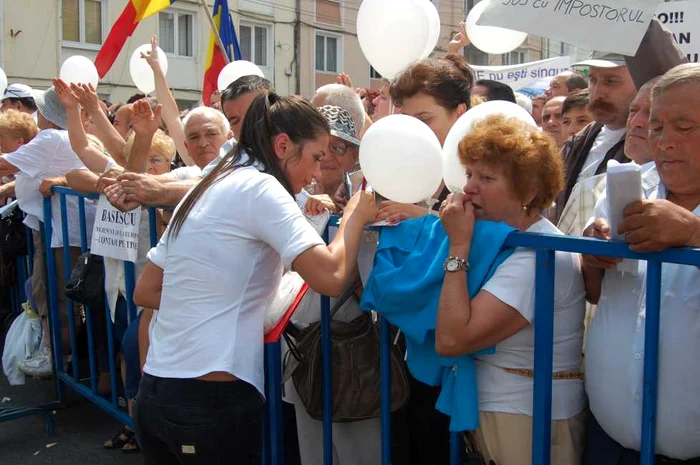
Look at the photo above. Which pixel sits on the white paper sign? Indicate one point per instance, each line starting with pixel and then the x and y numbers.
pixel 525 74
pixel 683 20
pixel 116 233
pixel 607 26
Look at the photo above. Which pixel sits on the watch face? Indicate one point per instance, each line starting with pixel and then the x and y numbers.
pixel 452 265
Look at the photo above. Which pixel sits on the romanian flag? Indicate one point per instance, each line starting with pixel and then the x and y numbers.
pixel 215 58
pixel 123 27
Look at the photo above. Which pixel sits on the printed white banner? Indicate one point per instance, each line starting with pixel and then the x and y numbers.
pixel 525 74
pixel 607 26
pixel 682 19
pixel 116 233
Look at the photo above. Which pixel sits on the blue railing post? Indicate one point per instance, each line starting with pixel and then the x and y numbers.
pixel 651 362
pixel 52 298
pixel 326 360
pixel 544 340
pixel 88 311
pixel 385 386
pixel 67 268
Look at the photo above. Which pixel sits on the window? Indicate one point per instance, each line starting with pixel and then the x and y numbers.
pixel 513 58
pixel 475 56
pixel 254 40
pixel 82 21
pixel 176 33
pixel 373 74
pixel 328 53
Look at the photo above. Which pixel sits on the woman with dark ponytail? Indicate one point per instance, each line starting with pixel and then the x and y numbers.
pixel 211 274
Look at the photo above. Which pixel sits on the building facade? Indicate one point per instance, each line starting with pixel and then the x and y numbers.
pixel 299 44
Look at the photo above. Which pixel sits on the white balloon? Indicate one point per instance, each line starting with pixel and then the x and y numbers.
pixel 452 168
pixel 400 158
pixel 140 70
pixel 392 33
pixel 79 70
pixel 489 39
pixel 433 26
pixel 3 81
pixel 235 70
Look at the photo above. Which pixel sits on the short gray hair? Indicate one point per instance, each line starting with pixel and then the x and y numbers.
pixel 688 73
pixel 342 96
pixel 210 113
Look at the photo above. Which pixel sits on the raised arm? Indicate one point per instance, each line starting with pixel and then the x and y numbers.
pixel 145 124
pixel 91 157
pixel 171 113
pixel 103 128
pixel 460 40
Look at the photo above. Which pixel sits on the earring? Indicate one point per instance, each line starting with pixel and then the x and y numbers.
pixel 524 208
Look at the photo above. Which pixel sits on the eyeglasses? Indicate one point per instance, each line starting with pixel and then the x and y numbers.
pixel 156 161
pixel 338 148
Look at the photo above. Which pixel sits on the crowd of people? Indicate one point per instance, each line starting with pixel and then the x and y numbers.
pixel 245 175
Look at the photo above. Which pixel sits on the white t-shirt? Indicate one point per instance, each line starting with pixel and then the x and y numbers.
pixel 184 173
pixel 49 155
pixel 514 284
pixel 605 140
pixel 218 274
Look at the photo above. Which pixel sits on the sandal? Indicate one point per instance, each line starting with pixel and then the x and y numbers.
pixel 120 438
pixel 131 446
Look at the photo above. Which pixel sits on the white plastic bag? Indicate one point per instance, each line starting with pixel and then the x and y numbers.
pixel 22 341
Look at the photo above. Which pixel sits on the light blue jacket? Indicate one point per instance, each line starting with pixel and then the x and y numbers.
pixel 405 286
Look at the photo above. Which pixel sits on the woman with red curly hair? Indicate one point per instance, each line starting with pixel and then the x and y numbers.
pixel 514 172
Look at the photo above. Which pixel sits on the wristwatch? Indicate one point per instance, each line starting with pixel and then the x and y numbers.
pixel 453 264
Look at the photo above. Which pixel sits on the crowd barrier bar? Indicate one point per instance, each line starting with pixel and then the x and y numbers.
pixel 545 246
pixel 73 379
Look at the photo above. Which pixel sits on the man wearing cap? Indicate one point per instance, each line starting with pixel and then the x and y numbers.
pixel 18 97
pixel 611 90
pixel 38 166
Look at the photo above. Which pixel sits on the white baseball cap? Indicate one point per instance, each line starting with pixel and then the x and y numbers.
pixel 17 91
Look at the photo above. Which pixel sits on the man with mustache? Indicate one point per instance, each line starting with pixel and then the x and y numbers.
pixel 580 206
pixel 611 90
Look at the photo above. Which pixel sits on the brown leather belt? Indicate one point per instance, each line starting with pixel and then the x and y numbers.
pixel 531 374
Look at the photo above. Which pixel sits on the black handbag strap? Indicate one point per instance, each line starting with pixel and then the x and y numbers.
pixel 292 331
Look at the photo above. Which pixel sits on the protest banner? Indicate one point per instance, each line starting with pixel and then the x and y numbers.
pixel 681 18
pixel 116 233
pixel 613 26
pixel 524 74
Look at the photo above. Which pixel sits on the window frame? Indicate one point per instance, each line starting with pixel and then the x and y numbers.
pixel 82 29
pixel 339 51
pixel 176 43
pixel 269 52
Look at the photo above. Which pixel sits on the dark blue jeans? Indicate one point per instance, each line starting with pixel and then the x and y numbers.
pixel 188 421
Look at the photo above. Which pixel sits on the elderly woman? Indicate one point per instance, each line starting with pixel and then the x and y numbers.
pixel 514 171
pixel 16 129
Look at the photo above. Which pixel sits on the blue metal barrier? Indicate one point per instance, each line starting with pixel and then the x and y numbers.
pixel 73 379
pixel 544 245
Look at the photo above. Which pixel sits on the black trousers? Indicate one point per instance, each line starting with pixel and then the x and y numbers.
pixel 189 421
pixel 601 449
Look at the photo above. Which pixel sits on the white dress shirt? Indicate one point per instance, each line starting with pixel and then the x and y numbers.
pixel 615 352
